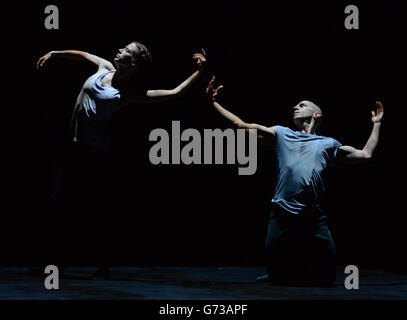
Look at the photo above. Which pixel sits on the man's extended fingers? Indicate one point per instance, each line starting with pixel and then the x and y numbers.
pixel 203 52
pixel 218 89
pixel 210 86
pixel 212 81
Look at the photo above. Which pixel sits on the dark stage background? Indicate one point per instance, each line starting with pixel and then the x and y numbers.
pixel 269 55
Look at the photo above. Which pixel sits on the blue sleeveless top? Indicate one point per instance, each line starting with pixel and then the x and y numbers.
pixel 94 107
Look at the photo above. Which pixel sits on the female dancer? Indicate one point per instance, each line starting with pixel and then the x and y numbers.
pixel 103 94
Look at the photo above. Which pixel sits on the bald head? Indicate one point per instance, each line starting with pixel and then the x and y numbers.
pixel 305 111
pixel 315 107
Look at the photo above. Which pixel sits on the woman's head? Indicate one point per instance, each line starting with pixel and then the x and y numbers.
pixel 134 56
pixel 133 63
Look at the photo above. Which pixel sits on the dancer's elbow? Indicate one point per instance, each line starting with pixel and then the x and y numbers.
pixel 239 124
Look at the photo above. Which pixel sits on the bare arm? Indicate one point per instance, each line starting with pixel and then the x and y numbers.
pixel 102 64
pixel 161 94
pixel 265 134
pixel 351 153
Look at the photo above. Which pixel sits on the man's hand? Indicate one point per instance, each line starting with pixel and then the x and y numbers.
pixel 211 92
pixel 378 115
pixel 44 59
pixel 200 59
pixel 351 153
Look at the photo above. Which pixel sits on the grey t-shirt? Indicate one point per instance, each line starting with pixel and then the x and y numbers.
pixel 302 161
pixel 94 107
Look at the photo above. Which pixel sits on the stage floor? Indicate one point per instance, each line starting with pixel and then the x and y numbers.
pixel 192 283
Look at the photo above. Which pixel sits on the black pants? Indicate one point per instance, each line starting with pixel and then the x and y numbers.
pixel 85 195
pixel 300 249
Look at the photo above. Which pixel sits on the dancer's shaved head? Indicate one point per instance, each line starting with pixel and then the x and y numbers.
pixel 304 111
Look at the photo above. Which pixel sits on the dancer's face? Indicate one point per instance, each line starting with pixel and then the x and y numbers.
pixel 124 58
pixel 304 111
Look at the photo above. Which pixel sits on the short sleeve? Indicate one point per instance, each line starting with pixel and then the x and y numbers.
pixel 280 130
pixel 335 148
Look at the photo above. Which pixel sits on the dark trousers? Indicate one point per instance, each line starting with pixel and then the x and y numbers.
pixel 300 248
pixel 85 197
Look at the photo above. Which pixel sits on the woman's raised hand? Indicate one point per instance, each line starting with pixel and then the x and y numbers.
pixel 44 59
pixel 200 59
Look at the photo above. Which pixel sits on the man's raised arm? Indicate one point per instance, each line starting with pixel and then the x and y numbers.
pixel 101 63
pixel 351 153
pixel 265 134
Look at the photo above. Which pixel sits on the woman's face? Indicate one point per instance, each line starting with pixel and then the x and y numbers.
pixel 125 57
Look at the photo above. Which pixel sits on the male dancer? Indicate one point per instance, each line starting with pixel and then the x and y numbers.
pixel 299 245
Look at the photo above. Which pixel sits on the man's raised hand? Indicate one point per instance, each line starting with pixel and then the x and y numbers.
pixel 211 92
pixel 378 115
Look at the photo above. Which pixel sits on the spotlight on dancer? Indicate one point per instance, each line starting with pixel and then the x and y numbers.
pixel 299 245
pixel 109 89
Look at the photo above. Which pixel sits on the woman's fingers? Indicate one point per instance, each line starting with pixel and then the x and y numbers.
pixel 201 54
pixel 198 57
pixel 40 63
pixel 379 107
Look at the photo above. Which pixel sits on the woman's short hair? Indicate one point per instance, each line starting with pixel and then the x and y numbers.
pixel 142 56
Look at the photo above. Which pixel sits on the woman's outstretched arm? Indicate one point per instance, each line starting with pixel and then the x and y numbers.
pixel 101 63
pixel 161 94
